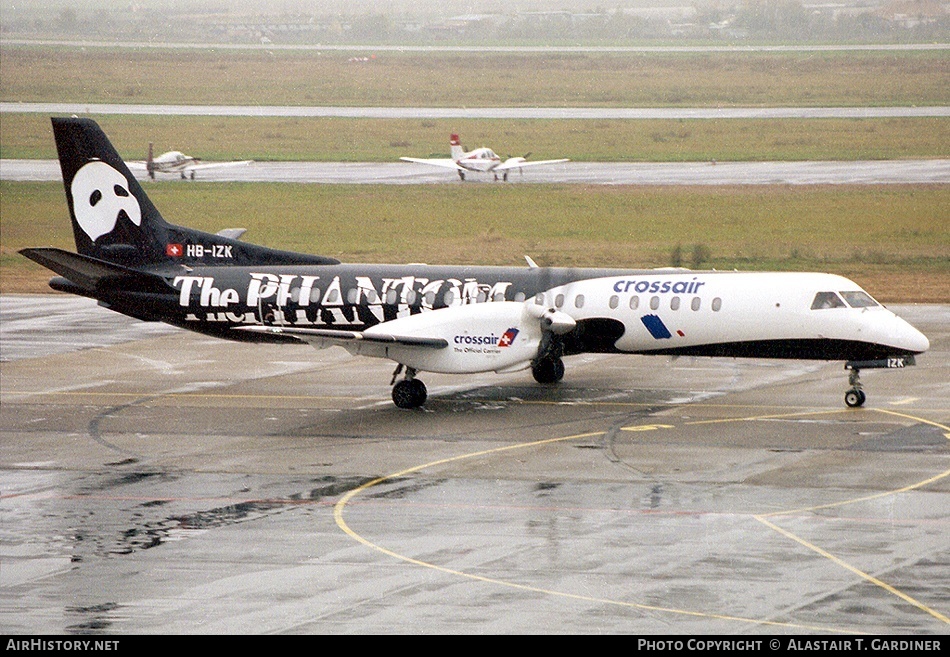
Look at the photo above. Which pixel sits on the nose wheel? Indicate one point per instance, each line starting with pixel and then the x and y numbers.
pixel 855 397
pixel 409 392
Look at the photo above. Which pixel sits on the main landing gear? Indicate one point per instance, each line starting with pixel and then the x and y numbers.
pixel 409 392
pixel 548 370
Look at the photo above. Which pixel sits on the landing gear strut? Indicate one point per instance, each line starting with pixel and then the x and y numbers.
pixel 548 368
pixel 855 397
pixel 410 392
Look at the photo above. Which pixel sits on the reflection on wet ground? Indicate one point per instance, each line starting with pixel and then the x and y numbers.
pixel 149 485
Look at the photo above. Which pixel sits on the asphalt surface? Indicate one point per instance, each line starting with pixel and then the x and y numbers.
pixel 596 113
pixel 603 173
pixel 158 482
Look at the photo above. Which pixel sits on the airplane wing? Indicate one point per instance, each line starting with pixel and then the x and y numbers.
pixel 444 162
pixel 365 343
pixel 216 165
pixel 142 166
pixel 520 163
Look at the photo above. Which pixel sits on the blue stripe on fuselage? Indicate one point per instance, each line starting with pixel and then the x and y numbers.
pixel 656 327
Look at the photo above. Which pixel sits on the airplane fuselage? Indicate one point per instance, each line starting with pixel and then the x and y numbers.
pixel 481 160
pixel 632 311
pixel 173 162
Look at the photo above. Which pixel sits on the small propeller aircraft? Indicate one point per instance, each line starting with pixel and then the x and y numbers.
pixel 480 160
pixel 452 319
pixel 177 162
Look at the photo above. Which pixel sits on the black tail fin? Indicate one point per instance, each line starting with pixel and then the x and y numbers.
pixel 112 217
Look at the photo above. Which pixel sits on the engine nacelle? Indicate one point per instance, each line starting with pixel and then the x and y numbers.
pixel 484 337
pixel 555 321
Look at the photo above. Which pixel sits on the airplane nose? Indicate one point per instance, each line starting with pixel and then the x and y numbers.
pixel 909 338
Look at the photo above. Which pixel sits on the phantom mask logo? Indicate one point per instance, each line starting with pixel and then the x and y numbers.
pixel 100 196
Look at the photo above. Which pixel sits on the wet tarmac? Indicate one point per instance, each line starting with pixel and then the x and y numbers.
pixel 876 172
pixel 155 481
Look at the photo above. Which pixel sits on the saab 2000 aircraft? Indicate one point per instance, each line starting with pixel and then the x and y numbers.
pixel 177 162
pixel 448 319
pixel 481 160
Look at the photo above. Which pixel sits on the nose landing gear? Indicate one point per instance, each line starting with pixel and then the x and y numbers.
pixel 855 397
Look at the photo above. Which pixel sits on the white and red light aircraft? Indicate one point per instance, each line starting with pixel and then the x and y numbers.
pixel 452 319
pixel 177 162
pixel 480 160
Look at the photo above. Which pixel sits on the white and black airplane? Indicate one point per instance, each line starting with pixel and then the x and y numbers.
pixel 449 319
pixel 177 162
pixel 480 160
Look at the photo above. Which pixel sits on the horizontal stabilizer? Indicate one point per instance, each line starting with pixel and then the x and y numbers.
pixel 85 271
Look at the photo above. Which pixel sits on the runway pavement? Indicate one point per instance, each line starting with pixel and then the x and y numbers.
pixel 365 112
pixel 155 481
pixel 602 173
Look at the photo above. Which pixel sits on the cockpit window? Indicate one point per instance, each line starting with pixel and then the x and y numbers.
pixel 859 299
pixel 826 300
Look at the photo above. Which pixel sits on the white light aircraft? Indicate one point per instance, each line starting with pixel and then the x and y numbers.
pixel 453 319
pixel 177 162
pixel 480 160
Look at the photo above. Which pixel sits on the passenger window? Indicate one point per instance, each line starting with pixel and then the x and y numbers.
pixel 350 295
pixel 614 302
pixel 559 300
pixel 579 301
pixel 519 296
pixel 675 303
pixel 825 300
pixel 411 297
pixel 634 302
pixel 654 303
pixel 696 303
pixel 716 304
pixel 859 299
pixel 391 297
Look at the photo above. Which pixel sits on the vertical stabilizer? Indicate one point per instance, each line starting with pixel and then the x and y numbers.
pixel 112 217
pixel 457 150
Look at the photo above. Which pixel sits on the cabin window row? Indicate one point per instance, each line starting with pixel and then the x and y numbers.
pixel 654 302
pixel 392 297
